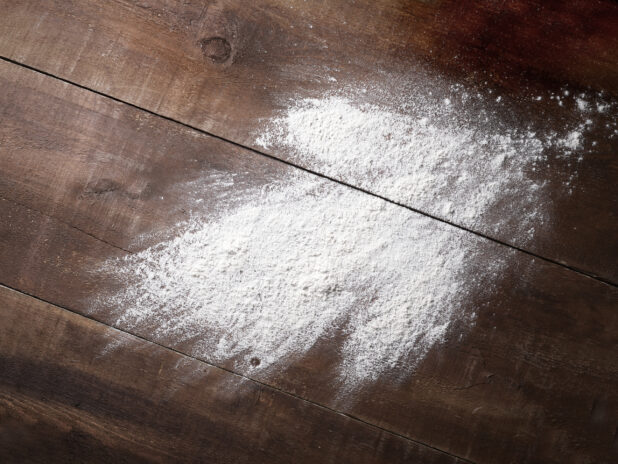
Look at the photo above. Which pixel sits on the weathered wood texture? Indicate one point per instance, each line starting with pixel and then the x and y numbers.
pixel 73 390
pixel 533 380
pixel 221 66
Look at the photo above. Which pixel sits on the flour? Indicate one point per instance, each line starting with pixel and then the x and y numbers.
pixel 304 261
pixel 462 164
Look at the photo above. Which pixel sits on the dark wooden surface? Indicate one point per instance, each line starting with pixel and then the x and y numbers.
pixel 222 66
pixel 74 390
pixel 534 380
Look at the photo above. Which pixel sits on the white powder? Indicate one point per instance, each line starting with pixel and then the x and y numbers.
pixel 459 163
pixel 306 261
pixel 303 261
pixel 572 141
pixel 582 104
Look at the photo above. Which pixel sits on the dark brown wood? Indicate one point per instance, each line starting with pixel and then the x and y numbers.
pixel 532 381
pixel 74 390
pixel 96 187
pixel 221 66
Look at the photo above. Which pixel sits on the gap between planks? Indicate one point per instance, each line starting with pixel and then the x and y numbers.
pixel 318 174
pixel 236 374
pixel 42 213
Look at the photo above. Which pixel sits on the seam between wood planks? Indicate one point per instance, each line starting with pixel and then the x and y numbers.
pixel 234 373
pixel 318 174
pixel 51 216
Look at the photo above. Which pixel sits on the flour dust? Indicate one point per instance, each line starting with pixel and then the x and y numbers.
pixel 300 262
pixel 305 261
pixel 464 157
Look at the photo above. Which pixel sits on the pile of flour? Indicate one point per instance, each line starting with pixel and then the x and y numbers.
pixel 303 261
pixel 458 158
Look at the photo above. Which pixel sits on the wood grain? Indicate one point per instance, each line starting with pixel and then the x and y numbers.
pixel 223 67
pixel 533 380
pixel 97 187
pixel 73 390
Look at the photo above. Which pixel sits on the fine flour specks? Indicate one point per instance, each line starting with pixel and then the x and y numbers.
pixel 458 158
pixel 304 261
pixel 307 260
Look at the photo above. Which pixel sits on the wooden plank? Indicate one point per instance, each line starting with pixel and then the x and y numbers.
pixel 225 68
pixel 120 197
pixel 532 380
pixel 74 390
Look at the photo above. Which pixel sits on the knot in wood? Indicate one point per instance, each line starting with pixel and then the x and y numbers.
pixel 217 49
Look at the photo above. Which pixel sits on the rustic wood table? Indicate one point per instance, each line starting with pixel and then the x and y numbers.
pixel 112 112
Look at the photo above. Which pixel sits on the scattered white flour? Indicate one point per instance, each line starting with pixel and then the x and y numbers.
pixel 297 263
pixel 300 262
pixel 457 162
